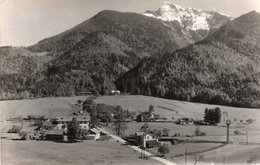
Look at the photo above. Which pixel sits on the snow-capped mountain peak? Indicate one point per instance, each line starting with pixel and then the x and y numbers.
pixel 189 18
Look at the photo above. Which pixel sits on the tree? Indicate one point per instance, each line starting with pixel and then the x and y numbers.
pixel 212 116
pixel 148 91
pixel 89 104
pixel 93 117
pixel 119 122
pixel 165 132
pixel 107 117
pixel 73 130
pixel 206 115
pixel 151 109
pixel 137 91
pixel 157 132
pixel 217 113
pixel 162 150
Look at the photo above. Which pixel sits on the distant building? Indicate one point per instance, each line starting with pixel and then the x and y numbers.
pixel 147 116
pixel 54 135
pixel 93 134
pixel 65 120
pixel 145 138
pixel 185 121
pixel 114 92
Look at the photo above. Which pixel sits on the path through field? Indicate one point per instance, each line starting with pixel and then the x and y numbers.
pixel 147 154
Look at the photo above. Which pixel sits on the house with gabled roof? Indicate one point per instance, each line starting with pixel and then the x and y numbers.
pixel 63 121
pixel 93 134
pixel 146 138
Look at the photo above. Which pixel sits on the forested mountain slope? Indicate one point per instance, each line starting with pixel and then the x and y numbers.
pixel 224 68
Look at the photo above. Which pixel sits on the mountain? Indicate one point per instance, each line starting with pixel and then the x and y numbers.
pixel 146 36
pixel 224 68
pixel 195 24
pixel 93 54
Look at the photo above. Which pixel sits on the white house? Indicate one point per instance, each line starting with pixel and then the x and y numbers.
pixel 149 140
pixel 115 92
pixel 93 134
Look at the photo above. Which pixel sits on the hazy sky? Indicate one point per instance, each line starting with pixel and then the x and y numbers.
pixel 25 22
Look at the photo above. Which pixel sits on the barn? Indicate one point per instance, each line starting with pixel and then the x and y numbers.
pixel 54 135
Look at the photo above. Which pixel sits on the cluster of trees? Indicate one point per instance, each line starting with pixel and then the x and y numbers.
pixel 113 116
pixel 213 115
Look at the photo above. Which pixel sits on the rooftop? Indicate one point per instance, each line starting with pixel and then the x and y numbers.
pixel 54 132
pixel 69 118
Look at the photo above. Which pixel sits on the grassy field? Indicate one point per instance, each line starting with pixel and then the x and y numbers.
pixel 82 153
pixel 111 152
pixel 52 106
pixel 213 133
pixel 168 108
pixel 59 105
pixel 231 154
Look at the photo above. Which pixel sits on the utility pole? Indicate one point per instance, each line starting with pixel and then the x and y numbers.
pixel 228 122
pixel 246 137
pixel 185 153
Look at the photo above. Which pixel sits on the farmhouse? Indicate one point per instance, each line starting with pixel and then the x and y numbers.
pixel 65 120
pixel 147 116
pixel 145 137
pixel 149 140
pixel 185 121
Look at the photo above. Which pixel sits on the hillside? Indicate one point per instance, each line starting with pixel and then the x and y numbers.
pixel 19 70
pixel 81 57
pixel 222 69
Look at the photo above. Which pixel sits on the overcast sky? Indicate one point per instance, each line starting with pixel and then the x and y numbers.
pixel 25 22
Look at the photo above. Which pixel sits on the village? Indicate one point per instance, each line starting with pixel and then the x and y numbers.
pixel 153 134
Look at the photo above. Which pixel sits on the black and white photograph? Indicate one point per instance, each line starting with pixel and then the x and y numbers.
pixel 130 82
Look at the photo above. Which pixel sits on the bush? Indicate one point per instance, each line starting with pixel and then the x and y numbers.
pixel 162 150
pixel 237 132
pixel 157 132
pixel 249 121
pixel 177 135
pixel 15 129
pixel 165 132
pixel 202 133
pixel 24 135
